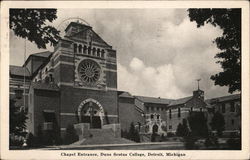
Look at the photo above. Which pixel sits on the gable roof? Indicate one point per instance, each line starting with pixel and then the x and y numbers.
pixel 224 98
pixel 153 100
pixel 44 54
pixel 45 86
pixel 180 101
pixel 19 71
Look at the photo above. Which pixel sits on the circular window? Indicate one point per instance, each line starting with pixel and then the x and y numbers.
pixel 89 71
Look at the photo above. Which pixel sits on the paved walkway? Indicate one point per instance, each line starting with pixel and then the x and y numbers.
pixel 131 146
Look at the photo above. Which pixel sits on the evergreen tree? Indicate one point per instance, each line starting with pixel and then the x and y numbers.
pixel 218 123
pixel 198 124
pixel 179 130
pixel 182 129
pixel 133 134
pixel 17 120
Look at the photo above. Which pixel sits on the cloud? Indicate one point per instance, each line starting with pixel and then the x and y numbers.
pixel 147 80
pixel 160 52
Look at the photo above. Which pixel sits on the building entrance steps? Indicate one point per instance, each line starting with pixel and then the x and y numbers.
pixel 101 136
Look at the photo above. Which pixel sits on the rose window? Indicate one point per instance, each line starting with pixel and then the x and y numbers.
pixel 89 71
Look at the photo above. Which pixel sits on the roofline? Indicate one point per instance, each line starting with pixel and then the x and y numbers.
pixel 43 65
pixel 223 97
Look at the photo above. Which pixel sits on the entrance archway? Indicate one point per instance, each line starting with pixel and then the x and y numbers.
pixel 90 111
pixel 155 128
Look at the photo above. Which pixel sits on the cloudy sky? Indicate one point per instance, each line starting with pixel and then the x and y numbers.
pixel 160 52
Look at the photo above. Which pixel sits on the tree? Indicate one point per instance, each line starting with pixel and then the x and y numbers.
pixel 133 134
pixel 17 120
pixel 198 124
pixel 31 24
pixel 182 129
pixel 218 123
pixel 229 20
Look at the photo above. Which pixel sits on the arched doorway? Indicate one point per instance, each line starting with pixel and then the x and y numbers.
pixel 155 128
pixel 90 111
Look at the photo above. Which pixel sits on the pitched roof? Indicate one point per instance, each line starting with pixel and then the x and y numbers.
pixel 180 101
pixel 19 71
pixel 224 98
pixel 44 54
pixel 124 94
pixel 45 86
pixel 154 100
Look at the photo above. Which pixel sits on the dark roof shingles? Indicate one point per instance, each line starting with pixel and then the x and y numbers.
pixel 154 100
pixel 180 101
pixel 19 71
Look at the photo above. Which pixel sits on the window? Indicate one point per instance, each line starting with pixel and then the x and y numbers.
pixel 191 109
pixel 232 107
pixel 157 108
pixel 170 127
pixel 98 52
pixel 94 51
pixel 170 114
pixel 75 48
pixel 200 109
pixel 89 71
pixel 223 108
pixel 232 121
pixel 179 112
pixel 80 48
pixel 151 116
pixel 147 108
pixel 84 49
pixel 158 116
pixel 102 54
pixel 152 109
pixel 89 50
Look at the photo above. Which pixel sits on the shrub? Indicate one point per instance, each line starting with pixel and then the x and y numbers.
pixel 71 135
pixel 234 143
pixel 189 142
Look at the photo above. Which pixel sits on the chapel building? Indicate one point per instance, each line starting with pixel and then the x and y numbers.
pixel 77 85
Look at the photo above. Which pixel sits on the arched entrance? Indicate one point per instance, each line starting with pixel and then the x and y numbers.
pixel 90 111
pixel 155 128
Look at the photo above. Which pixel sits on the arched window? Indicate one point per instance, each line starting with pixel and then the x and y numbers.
pixel 158 116
pixel 98 52
pixel 80 48
pixel 102 53
pixel 170 114
pixel 179 112
pixel 151 116
pixel 94 51
pixel 89 50
pixel 75 48
pixel 84 49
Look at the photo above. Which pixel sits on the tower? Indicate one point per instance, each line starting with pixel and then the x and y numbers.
pixel 85 70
